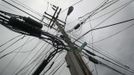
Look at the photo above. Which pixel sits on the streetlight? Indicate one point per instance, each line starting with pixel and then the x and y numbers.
pixel 71 8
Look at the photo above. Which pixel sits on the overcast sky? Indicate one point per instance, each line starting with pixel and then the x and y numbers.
pixel 120 46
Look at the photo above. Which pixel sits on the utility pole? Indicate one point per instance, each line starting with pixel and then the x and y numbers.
pixel 74 60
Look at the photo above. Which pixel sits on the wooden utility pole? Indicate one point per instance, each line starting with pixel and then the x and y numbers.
pixel 74 60
pixel 76 64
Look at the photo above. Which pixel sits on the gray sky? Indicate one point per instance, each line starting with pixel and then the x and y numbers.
pixel 119 46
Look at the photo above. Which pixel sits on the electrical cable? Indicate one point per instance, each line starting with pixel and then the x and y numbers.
pixel 107 26
pixel 37 44
pixel 58 68
pixel 27 65
pixel 114 34
pixel 13 51
pixel 41 59
pixel 112 15
pixel 114 63
pixel 10 40
pixel 26 7
pixel 98 51
pixel 118 8
pixel 92 13
pixel 126 4
pixel 92 40
pixel 26 13
pixel 71 5
pixel 20 48
pixel 7 7
pixel 12 44
pixel 94 60
pixel 102 7
pixel 45 62
pixel 41 54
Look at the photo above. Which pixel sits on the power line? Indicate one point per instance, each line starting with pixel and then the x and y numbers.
pixel 40 60
pixel 26 7
pixel 98 51
pixel 45 24
pixel 103 28
pixel 116 9
pixel 37 58
pixel 92 40
pixel 58 68
pixel 113 14
pixel 72 5
pixel 117 64
pixel 114 34
pixel 13 56
pixel 94 12
pixel 37 44
pixel 12 44
pixel 96 61
pixel 10 40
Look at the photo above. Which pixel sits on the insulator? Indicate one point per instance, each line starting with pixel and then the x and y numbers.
pixel 93 60
pixel 77 26
pixel 20 25
pixel 32 22
pixel 90 53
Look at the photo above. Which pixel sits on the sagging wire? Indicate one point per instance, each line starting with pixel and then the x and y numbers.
pixel 33 31
pixel 92 40
pixel 30 63
pixel 105 55
pixel 54 60
pixel 92 13
pixel 116 9
pixel 20 48
pixel 94 60
pixel 72 5
pixel 12 44
pixel 42 58
pixel 14 51
pixel 26 7
pixel 114 34
pixel 103 4
pixel 58 67
pixel 101 8
pixel 46 61
pixel 37 44
pixel 25 12
pixel 113 14
pixel 38 55
pixel 7 7
pixel 54 46
pixel 107 26
pixel 114 63
pixel 10 40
